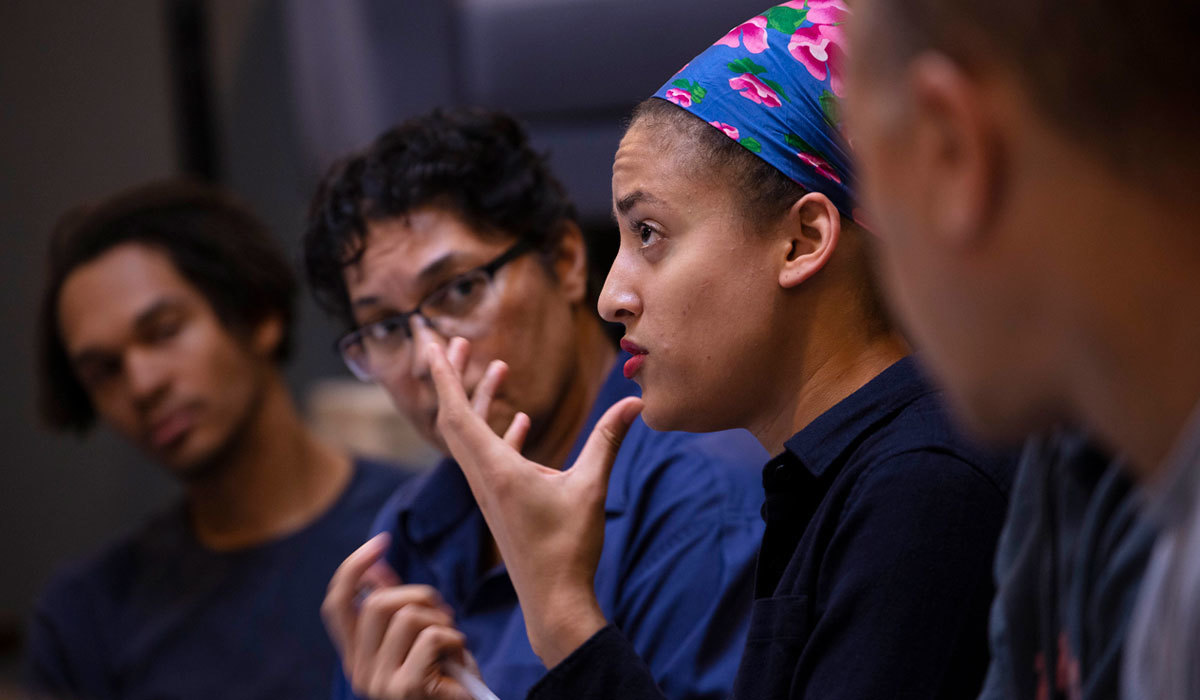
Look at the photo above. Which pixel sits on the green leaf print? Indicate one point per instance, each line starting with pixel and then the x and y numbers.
pixel 698 91
pixel 751 145
pixel 831 107
pixel 794 141
pixel 745 65
pixel 786 19
pixel 777 88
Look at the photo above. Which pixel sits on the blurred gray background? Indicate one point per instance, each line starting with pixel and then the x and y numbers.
pixel 261 95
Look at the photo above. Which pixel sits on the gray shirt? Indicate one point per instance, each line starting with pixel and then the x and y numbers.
pixel 1163 656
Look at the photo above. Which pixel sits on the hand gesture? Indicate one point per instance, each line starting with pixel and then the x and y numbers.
pixel 396 641
pixel 548 524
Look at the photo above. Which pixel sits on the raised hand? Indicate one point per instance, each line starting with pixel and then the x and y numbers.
pixel 397 641
pixel 548 524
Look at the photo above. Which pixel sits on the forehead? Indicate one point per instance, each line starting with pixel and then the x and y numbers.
pixel 407 252
pixel 109 292
pixel 656 160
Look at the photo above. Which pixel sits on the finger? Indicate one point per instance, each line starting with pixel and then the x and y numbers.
pixel 600 450
pixel 403 628
pixel 380 575
pixel 458 352
pixel 466 434
pixel 422 669
pixel 486 390
pixel 517 431
pixel 373 619
pixel 339 610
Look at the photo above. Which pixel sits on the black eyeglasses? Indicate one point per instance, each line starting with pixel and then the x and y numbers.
pixel 460 307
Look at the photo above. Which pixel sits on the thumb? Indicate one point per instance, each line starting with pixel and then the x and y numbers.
pixel 598 454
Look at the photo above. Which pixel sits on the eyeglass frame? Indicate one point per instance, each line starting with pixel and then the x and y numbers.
pixel 490 268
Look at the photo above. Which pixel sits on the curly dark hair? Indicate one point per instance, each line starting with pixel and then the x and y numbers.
pixel 213 239
pixel 477 164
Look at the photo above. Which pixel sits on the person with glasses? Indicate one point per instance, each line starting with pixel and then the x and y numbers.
pixel 451 225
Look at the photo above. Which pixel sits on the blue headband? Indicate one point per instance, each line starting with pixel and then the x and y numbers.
pixel 772 84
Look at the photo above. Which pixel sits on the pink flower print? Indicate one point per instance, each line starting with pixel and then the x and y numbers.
pixel 683 98
pixel 818 47
pixel 749 86
pixel 821 166
pixel 827 11
pixel 753 35
pixel 730 131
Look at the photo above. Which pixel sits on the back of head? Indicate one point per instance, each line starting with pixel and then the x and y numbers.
pixel 215 242
pixel 478 165
pixel 1120 79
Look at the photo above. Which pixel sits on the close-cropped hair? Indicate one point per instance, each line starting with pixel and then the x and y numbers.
pixel 763 192
pixel 1119 79
pixel 476 164
pixel 214 241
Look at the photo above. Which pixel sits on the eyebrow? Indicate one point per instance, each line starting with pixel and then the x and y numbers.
pixel 428 274
pixel 634 198
pixel 144 317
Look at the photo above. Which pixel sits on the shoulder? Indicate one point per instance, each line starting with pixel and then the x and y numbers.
pixel 722 466
pixel 375 482
pixel 920 445
pixel 105 577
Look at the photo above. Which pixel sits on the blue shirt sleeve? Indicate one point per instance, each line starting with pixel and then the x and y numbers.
pixel 689 551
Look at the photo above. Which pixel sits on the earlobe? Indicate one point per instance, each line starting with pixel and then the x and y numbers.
pixel 813 227
pixel 268 335
pixel 959 146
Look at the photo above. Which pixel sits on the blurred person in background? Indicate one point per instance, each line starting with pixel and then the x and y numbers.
pixel 451 224
pixel 1033 168
pixel 167 316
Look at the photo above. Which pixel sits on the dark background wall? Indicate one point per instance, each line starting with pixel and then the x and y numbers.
pixel 88 104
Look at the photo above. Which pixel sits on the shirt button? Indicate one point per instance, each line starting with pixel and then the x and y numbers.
pixel 784 476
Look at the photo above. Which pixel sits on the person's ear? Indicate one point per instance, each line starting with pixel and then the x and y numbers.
pixel 267 336
pixel 959 157
pixel 570 263
pixel 811 228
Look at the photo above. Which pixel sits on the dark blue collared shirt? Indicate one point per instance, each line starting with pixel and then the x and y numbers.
pixel 682 527
pixel 874 575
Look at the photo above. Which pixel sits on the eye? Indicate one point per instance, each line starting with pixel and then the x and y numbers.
pixel 390 328
pixel 459 297
pixel 646 234
pixel 164 330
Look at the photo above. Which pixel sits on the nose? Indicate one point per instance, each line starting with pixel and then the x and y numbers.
pixel 422 335
pixel 619 302
pixel 147 377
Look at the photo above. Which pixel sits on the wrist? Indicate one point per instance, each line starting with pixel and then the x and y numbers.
pixel 563 626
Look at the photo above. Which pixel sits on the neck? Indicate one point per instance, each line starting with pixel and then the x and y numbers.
pixel 1134 377
pixel 276 479
pixel 592 361
pixel 826 377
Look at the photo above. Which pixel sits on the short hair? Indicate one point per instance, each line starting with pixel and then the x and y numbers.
pixel 764 193
pixel 214 241
pixel 1119 79
pixel 477 164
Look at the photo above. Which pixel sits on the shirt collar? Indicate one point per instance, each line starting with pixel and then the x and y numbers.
pixel 442 499
pixel 819 444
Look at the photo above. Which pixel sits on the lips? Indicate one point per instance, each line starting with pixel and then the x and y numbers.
pixel 171 428
pixel 634 364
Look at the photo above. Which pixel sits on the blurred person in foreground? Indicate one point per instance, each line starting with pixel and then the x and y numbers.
pixel 1032 167
pixel 448 225
pixel 167 316
pixel 744 285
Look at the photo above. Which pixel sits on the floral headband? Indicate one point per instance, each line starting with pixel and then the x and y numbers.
pixel 772 84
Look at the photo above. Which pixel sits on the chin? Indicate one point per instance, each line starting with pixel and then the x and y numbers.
pixel 678 415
